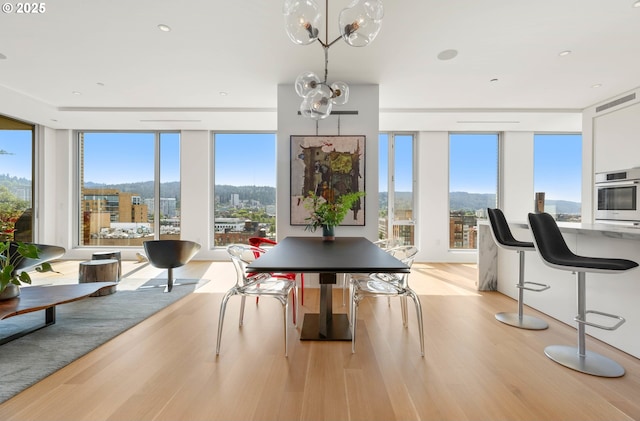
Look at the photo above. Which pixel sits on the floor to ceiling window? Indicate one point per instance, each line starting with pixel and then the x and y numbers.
pixel 473 184
pixel 16 185
pixel 396 217
pixel 126 180
pixel 244 187
pixel 557 169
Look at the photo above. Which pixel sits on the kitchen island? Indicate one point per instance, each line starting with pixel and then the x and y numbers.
pixel 613 293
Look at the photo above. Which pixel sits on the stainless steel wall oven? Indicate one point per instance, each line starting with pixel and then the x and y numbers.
pixel 618 196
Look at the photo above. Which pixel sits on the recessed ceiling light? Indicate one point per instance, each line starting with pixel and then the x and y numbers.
pixel 222 93
pixel 564 53
pixel 636 4
pixel 2 57
pixel 597 85
pixel 447 54
pixel 76 93
pixel 164 28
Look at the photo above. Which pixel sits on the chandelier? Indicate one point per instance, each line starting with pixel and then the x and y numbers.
pixel 359 23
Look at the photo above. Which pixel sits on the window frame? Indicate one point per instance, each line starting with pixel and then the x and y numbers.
pixel 77 176
pixel 391 172
pixel 579 189
pixel 212 234
pixel 498 191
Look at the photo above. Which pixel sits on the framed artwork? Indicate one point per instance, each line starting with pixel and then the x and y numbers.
pixel 328 166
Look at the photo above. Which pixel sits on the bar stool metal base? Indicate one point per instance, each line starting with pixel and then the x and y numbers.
pixel 592 363
pixel 524 322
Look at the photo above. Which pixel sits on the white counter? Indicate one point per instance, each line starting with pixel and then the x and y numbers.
pixel 607 230
pixel 610 293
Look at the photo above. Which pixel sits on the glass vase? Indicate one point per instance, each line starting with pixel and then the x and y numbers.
pixel 328 233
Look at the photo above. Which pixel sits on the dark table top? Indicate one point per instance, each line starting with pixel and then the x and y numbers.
pixel 37 298
pixel 312 254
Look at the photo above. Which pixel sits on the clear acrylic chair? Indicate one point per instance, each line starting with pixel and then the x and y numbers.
pixel 384 244
pixel 387 285
pixel 256 285
pixel 261 242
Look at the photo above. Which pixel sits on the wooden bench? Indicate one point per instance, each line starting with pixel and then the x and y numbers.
pixel 45 298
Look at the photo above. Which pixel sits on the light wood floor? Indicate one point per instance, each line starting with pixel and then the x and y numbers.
pixel 475 368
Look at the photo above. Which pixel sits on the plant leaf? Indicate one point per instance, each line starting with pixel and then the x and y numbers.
pixel 24 278
pixel 45 267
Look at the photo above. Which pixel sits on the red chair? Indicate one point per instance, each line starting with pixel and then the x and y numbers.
pixel 258 242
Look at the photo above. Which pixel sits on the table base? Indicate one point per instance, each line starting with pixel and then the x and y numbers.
pixel 338 328
pixel 49 319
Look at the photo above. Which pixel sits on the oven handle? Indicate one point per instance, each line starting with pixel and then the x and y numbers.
pixel 618 183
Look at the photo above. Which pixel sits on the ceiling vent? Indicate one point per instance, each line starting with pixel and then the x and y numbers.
pixel 616 102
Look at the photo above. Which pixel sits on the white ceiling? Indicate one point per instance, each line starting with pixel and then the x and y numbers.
pixel 132 75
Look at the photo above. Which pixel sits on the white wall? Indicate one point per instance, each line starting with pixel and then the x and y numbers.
pixel 517 196
pixel 362 98
pixel 196 175
pixel 432 236
pixel 54 195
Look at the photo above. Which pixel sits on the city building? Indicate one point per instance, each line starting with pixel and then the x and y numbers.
pixel 104 209
pixel 168 206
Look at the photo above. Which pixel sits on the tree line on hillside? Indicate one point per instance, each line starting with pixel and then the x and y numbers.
pixel 474 201
pixel 471 201
pixel 13 181
pixel 264 194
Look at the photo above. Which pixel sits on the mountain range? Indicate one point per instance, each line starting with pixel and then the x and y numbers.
pixel 267 196
pixel 475 201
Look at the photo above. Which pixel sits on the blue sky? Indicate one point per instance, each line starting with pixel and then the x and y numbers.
pixel 113 158
pixel 557 160
pixel 403 179
pixel 16 158
pixel 473 162
pixel 557 164
pixel 257 153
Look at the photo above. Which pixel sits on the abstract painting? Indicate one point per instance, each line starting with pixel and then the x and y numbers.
pixel 326 166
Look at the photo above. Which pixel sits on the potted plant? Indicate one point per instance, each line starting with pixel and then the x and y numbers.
pixel 13 257
pixel 328 215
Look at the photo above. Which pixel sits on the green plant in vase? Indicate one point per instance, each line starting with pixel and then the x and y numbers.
pixel 11 255
pixel 327 215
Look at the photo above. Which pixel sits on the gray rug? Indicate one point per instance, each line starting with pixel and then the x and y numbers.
pixel 80 327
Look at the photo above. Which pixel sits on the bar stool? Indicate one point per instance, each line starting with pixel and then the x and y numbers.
pixel 554 253
pixel 504 238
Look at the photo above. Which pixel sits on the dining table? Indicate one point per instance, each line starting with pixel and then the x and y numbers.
pixel 327 258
